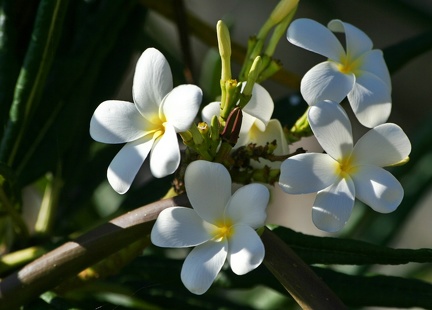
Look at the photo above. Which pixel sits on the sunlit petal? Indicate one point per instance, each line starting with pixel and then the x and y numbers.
pixel 248 131
pixel 210 110
pixel 248 205
pixel 382 146
pixel 307 173
pixel 126 164
pixel 357 41
pixel 165 157
pixel 202 265
pixel 310 35
pixel 117 122
pixel 245 249
pixel 325 82
pixel 152 81
pixel 179 227
pixel 181 105
pixel 333 206
pixel 332 128
pixel 208 186
pixel 260 106
pixel 370 100
pixel 373 62
pixel 378 188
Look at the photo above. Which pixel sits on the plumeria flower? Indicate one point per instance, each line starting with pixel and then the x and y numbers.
pixel 346 172
pixel 220 225
pixel 256 114
pixel 148 124
pixel 359 71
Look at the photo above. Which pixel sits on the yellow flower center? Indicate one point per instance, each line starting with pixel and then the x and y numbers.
pixel 348 65
pixel 156 127
pixel 344 167
pixel 223 231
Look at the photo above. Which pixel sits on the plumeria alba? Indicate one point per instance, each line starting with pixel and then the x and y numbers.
pixel 256 113
pixel 358 72
pixel 148 124
pixel 346 171
pixel 221 226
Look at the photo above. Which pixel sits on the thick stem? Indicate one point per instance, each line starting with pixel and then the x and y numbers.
pixel 308 290
pixel 72 257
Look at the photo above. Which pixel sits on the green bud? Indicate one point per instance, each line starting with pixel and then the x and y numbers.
pixel 282 9
pixel 252 76
pixel 196 135
pixel 214 128
pixel 224 44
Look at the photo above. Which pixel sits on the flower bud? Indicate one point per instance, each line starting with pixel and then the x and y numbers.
pixel 224 44
pixel 231 130
pixel 281 10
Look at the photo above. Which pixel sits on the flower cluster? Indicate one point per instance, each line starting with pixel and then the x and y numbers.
pixel 346 171
pixel 222 226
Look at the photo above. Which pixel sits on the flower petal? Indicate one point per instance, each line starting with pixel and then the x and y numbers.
pixel 333 206
pixel 261 106
pixel 180 227
pixel 370 100
pixel 332 128
pixel 382 146
pixel 208 186
pixel 310 35
pixel 325 82
pixel 207 113
pixel 117 122
pixel 307 173
pixel 152 81
pixel 357 41
pixel 248 205
pixel 181 105
pixel 245 249
pixel 202 265
pixel 126 164
pixel 378 188
pixel 373 62
pixel 165 157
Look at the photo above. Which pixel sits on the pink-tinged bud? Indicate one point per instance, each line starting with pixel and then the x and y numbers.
pixel 231 130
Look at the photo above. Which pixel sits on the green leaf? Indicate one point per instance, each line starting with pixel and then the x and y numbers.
pixel 329 250
pixel 378 290
pixel 31 81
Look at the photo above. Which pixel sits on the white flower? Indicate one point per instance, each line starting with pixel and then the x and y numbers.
pixel 256 113
pixel 149 124
pixel 220 225
pixel 359 72
pixel 346 172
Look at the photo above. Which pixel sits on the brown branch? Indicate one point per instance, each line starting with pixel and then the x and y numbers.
pixel 72 257
pixel 308 290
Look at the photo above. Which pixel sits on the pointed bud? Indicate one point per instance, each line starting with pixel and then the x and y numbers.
pixel 224 44
pixel 231 130
pixel 281 10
